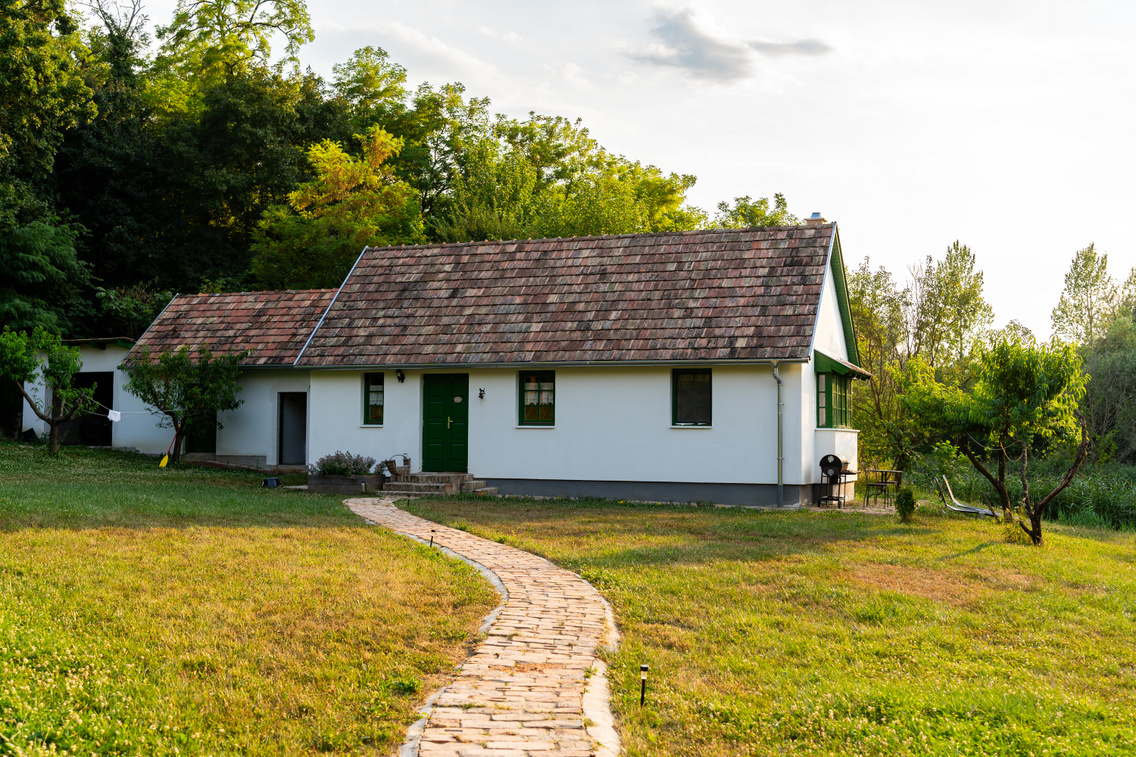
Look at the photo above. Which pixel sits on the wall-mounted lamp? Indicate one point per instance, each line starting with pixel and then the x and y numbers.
pixel 481 394
pixel 400 375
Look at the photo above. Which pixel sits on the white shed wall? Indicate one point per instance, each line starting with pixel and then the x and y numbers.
pixel 138 428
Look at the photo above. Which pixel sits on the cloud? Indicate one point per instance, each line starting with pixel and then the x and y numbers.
pixel 449 57
pixel 504 36
pixel 689 41
pixel 800 47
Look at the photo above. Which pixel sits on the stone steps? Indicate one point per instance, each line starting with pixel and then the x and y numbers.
pixel 425 484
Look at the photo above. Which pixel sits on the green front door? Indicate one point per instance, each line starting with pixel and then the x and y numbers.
pixel 445 422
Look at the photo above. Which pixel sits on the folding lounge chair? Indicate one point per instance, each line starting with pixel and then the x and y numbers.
pixel 954 505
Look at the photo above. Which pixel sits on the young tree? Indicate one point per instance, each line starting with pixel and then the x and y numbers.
pixel 24 359
pixel 1088 300
pixel 185 390
pixel 1025 396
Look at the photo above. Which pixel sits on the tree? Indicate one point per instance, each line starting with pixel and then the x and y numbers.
pixel 1025 397
pixel 41 90
pixel 40 274
pixel 42 356
pixel 351 203
pixel 947 314
pixel 878 306
pixel 746 213
pixel 1088 300
pixel 228 36
pixel 185 390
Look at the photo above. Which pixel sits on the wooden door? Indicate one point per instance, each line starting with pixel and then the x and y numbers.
pixel 445 422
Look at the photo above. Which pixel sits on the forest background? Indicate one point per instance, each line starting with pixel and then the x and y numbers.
pixel 132 168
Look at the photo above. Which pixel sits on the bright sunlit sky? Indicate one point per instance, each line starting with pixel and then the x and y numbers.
pixel 1007 125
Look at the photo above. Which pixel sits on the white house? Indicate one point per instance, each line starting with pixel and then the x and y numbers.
pixel 702 365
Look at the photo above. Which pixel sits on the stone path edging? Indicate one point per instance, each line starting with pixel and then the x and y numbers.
pixel 534 685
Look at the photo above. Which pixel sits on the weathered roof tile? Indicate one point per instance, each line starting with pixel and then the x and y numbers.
pixel 679 296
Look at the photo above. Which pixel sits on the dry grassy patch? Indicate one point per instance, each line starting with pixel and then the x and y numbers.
pixel 938 585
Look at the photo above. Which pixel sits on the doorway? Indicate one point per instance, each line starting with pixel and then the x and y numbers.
pixel 292 437
pixel 445 422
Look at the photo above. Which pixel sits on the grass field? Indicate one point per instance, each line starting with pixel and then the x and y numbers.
pixel 188 611
pixel 844 633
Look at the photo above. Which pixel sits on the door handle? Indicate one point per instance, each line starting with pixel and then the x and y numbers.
pixel 449 422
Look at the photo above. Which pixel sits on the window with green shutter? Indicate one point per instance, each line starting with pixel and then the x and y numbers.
pixel 538 398
pixel 372 399
pixel 834 400
pixel 690 397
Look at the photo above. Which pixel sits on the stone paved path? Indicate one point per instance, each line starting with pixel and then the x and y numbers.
pixel 534 686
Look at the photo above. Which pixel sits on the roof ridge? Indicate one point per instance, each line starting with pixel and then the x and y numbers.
pixel 592 237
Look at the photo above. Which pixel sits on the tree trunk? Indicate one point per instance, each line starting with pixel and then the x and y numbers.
pixel 53 424
pixel 179 438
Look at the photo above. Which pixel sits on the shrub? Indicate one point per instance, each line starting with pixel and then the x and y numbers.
pixel 343 464
pixel 905 503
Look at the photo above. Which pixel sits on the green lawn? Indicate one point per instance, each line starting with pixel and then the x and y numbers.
pixel 844 633
pixel 188 611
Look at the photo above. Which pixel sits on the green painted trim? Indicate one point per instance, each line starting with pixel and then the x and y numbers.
pixel 840 278
pixel 521 398
pixel 826 364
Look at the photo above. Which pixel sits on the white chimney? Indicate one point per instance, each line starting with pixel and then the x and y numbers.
pixel 816 219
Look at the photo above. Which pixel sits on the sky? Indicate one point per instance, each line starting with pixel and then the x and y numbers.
pixel 1004 124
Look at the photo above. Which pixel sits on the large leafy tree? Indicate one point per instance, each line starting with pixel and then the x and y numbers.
pixel 186 389
pixel 40 357
pixel 1025 399
pixel 42 92
pixel 352 202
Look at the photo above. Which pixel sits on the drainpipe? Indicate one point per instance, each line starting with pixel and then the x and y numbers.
pixel 780 431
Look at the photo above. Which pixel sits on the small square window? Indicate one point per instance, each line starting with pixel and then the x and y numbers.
pixel 690 397
pixel 372 399
pixel 538 398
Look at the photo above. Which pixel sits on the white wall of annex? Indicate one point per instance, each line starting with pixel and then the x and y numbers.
pixel 335 409
pixel 829 337
pixel 138 428
pixel 253 428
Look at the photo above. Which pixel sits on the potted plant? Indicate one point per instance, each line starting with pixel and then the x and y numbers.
pixel 344 473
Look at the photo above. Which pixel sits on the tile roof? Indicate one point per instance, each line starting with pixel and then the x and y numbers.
pixel 747 294
pixel 274 325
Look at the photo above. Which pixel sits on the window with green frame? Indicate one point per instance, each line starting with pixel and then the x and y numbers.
pixel 834 400
pixel 690 397
pixel 372 399
pixel 537 398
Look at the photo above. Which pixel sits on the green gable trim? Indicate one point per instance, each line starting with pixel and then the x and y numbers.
pixel 826 364
pixel 841 280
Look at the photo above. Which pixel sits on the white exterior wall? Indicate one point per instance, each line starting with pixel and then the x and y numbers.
pixel 829 339
pixel 335 411
pixel 138 428
pixel 254 428
pixel 612 424
pixel 829 336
